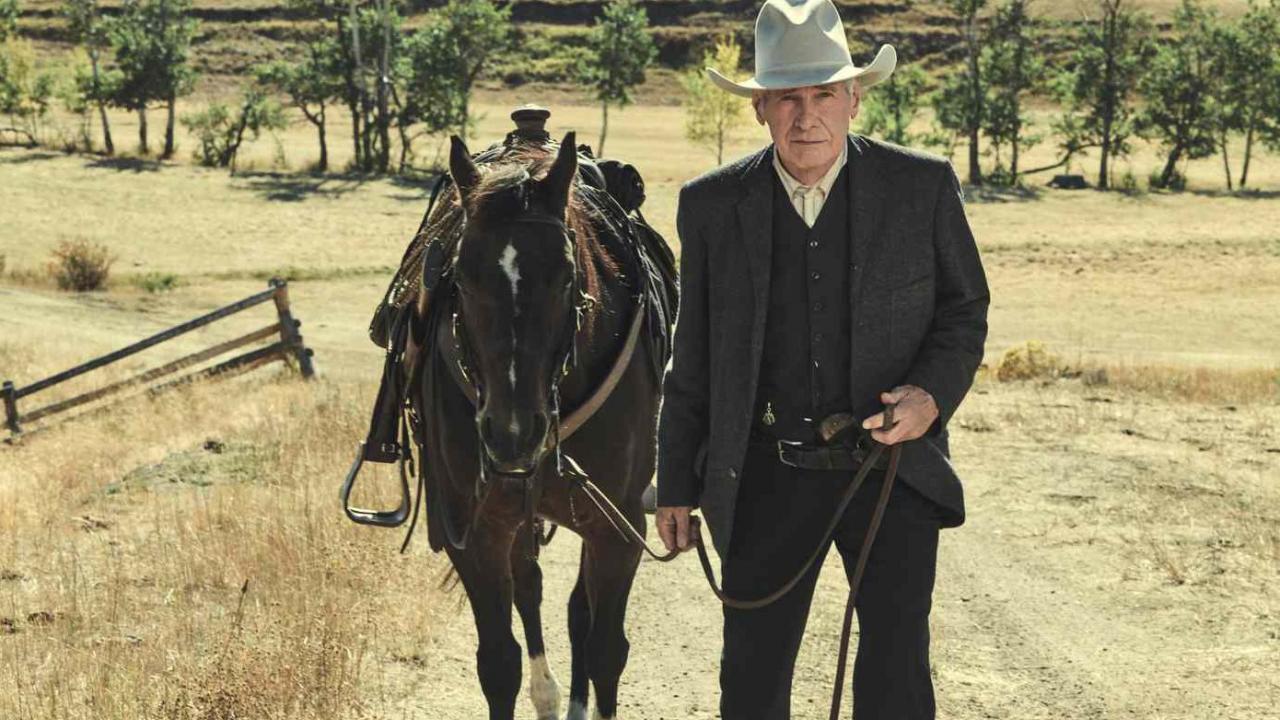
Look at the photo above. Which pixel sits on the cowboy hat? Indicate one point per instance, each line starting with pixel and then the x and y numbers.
pixel 801 43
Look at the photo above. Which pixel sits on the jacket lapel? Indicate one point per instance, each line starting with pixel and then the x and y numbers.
pixel 755 218
pixel 866 199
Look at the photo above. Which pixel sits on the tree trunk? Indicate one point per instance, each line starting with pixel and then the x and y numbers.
pixel 1170 165
pixel 355 133
pixel 142 130
pixel 168 128
pixel 975 101
pixel 1226 162
pixel 466 112
pixel 102 107
pixel 1248 151
pixel 1108 94
pixel 384 116
pixel 604 129
pixel 1013 162
pixel 324 143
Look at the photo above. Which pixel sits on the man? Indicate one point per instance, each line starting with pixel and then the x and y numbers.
pixel 827 272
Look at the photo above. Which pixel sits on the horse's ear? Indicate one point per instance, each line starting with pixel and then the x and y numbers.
pixel 464 171
pixel 559 180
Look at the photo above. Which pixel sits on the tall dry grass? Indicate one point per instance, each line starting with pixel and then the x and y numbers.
pixel 186 557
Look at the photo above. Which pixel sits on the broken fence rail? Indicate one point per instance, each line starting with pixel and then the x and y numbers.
pixel 289 343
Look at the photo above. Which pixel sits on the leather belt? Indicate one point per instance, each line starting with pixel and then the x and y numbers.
pixel 826 457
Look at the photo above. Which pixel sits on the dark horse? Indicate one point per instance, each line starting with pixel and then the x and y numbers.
pixel 539 312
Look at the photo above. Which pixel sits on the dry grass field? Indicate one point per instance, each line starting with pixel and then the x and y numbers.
pixel 186 557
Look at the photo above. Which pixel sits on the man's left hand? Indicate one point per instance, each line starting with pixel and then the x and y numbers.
pixel 914 411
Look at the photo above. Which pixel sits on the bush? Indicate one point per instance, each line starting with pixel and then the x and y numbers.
pixel 1027 362
pixel 80 265
pixel 221 133
pixel 1177 181
pixel 157 282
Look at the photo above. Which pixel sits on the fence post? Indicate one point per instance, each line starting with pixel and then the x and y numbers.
pixel 11 407
pixel 289 334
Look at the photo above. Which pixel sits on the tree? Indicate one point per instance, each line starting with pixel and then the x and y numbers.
pixel 1012 69
pixel 311 83
pixel 174 32
pixel 960 104
pixel 621 50
pixel 1248 92
pixel 429 96
pixel 1098 87
pixel 86 26
pixel 893 105
pixel 221 135
pixel 711 114
pixel 476 32
pixel 1178 88
pixel 25 93
pixel 151 40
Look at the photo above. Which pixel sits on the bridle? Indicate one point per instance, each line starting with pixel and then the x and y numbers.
pixel 567 355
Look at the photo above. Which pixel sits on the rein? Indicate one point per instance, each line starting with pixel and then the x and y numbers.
pixel 629 533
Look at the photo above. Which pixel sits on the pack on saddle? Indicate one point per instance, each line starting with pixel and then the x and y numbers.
pixel 404 320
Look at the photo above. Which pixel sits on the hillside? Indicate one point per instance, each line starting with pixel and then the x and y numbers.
pixel 236 34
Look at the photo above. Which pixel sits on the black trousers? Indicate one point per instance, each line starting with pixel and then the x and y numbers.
pixel 780 516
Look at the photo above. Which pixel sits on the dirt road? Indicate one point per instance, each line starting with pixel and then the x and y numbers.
pixel 1102 574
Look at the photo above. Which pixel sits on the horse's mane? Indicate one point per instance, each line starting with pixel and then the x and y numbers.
pixel 495 196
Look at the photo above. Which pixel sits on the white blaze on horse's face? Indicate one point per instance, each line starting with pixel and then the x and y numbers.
pixel 508 264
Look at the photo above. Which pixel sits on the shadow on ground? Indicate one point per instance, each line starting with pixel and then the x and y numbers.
pixel 122 164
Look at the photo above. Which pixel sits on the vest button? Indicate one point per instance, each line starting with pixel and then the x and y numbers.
pixel 813 243
pixel 816 275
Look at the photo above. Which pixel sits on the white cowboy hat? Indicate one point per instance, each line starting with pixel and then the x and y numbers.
pixel 801 43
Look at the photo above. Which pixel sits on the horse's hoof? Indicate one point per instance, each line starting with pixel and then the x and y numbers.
pixel 650 499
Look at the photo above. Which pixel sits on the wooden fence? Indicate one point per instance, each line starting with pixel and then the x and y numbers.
pixel 289 343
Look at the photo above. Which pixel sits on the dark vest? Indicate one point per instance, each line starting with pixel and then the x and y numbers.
pixel 804 371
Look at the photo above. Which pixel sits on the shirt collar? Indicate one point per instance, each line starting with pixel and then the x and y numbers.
pixel 791 184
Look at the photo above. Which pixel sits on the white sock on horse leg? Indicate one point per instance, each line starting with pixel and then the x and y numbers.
pixel 544 691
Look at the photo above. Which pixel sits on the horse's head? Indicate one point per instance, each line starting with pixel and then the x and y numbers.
pixel 517 284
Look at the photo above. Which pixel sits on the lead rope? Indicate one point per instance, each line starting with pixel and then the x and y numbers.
pixel 629 532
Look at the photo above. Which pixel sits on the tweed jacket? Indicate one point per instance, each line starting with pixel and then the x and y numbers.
pixel 918 298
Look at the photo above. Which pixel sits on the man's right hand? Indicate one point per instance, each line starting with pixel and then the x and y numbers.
pixel 673 526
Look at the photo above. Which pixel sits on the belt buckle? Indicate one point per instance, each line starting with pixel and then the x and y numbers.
pixel 783 446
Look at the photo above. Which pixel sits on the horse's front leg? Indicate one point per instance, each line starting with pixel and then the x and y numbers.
pixel 485 570
pixel 610 569
pixel 544 691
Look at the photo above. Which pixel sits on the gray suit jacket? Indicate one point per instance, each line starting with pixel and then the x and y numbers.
pixel 918 297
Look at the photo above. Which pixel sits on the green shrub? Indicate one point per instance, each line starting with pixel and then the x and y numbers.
pixel 157 282
pixel 221 133
pixel 80 265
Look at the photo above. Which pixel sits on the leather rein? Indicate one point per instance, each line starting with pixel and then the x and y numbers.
pixel 629 533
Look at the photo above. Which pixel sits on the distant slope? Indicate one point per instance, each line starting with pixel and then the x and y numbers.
pixel 236 34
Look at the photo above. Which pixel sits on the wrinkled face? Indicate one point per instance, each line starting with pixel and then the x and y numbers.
pixel 808 124
pixel 515 274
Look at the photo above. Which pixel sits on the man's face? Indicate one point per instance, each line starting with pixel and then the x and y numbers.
pixel 808 124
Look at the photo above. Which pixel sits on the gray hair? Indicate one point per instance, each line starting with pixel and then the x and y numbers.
pixel 849 87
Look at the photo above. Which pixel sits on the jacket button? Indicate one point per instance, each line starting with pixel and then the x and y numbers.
pixel 733 473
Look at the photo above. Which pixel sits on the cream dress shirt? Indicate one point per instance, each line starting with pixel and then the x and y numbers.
pixel 808 199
